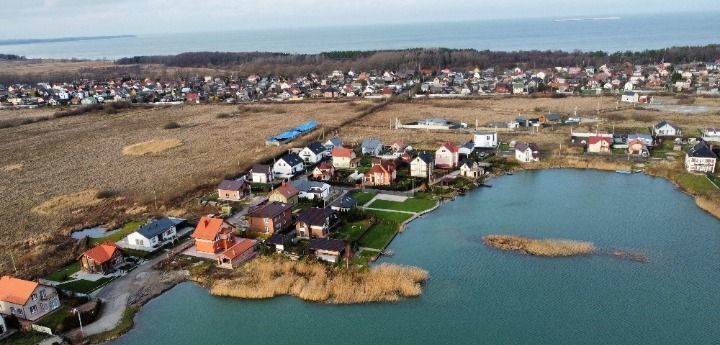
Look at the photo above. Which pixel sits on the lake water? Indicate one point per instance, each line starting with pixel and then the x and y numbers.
pixel 628 33
pixel 479 295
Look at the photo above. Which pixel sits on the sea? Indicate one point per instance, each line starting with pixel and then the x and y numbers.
pixel 610 34
pixel 481 295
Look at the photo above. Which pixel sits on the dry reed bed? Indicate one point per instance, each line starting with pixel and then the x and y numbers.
pixel 539 247
pixel 268 277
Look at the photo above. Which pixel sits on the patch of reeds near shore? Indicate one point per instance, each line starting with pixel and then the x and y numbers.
pixel 579 163
pixel 267 277
pixel 537 247
pixel 709 204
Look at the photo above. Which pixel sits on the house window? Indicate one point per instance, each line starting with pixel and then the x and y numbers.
pixel 33 309
pixel 34 297
pixel 43 294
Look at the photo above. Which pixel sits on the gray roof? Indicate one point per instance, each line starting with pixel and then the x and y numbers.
pixel 269 210
pixel 158 226
pixel 314 216
pixel 232 185
pixel 525 146
pixel 328 244
pixel 663 123
pixel 425 157
pixel 292 159
pixel 261 169
pixel 371 143
pixel 316 147
pixel 346 201
pixel 335 141
pixel 701 150
pixel 306 185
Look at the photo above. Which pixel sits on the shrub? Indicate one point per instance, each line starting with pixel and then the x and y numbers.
pixel 171 125
pixel 105 194
pixel 616 117
pixel 642 117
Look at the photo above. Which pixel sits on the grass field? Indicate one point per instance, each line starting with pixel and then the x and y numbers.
pixel 352 231
pixel 84 286
pixel 397 217
pixel 378 236
pixel 125 230
pixel 363 197
pixel 22 338
pixel 55 318
pixel 696 183
pixel 62 274
pixel 409 205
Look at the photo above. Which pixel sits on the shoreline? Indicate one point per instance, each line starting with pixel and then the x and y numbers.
pixel 539 167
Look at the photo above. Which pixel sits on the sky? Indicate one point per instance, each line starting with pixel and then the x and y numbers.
pixel 63 18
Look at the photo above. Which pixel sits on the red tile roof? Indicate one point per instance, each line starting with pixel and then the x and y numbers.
pixel 451 147
pixel 242 246
pixel 102 253
pixel 597 139
pixel 287 190
pixel 342 152
pixel 208 228
pixel 16 291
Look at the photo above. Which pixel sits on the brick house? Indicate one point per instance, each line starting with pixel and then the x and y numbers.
pixel 213 235
pixel 269 217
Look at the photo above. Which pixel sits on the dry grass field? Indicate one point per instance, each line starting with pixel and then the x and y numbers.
pixel 539 247
pixel 70 172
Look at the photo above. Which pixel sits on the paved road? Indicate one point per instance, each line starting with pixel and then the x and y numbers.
pixel 115 298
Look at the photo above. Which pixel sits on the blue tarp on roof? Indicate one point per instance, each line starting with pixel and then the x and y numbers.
pixel 290 134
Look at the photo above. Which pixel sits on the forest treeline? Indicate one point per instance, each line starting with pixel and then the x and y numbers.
pixel 415 59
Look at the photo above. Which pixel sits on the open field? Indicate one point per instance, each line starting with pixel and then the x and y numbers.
pixel 70 172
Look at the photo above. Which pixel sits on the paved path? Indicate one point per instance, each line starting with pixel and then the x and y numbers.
pixel 386 210
pixel 239 216
pixel 115 298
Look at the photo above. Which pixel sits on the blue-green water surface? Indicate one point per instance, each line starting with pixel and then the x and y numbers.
pixel 479 295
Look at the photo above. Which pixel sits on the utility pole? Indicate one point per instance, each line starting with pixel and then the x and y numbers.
pixel 12 258
pixel 155 199
pixel 75 311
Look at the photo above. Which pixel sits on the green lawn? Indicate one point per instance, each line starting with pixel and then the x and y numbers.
pixel 363 258
pixel 695 183
pixel 715 178
pixel 352 231
pixel 378 236
pixel 22 338
pixel 409 205
pixel 126 229
pixel 396 217
pixel 363 197
pixel 84 286
pixel 62 274
pixel 55 318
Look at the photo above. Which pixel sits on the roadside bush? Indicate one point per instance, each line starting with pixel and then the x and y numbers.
pixel 642 117
pixel 616 117
pixel 224 115
pixel 105 194
pixel 171 125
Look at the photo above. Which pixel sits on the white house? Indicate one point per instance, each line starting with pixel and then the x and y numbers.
pixel 700 159
pixel 155 233
pixel 711 134
pixel 447 156
pixel 422 166
pixel 527 152
pixel 333 143
pixel 470 169
pixel 314 153
pixel 486 139
pixel 288 165
pixel 312 190
pixel 666 129
pixel 26 299
pixel 261 173
pixel 630 97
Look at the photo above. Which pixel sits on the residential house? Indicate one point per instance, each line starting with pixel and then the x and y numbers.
pixel 599 144
pixel 550 118
pixel 711 134
pixel 155 233
pixel 213 235
pixel 371 147
pixel 278 241
pixel 314 153
pixel 466 149
pixel 327 249
pixel 344 203
pixel 397 146
pixel 422 166
pixel 527 152
pixel 647 139
pixel 333 142
pixel 637 146
pixel 243 250
pixel 233 190
pixel 447 156
pixel 312 190
pixel 471 169
pixel 314 222
pixel 485 139
pixel 286 193
pixel 269 217
pixel 382 173
pixel 344 158
pixel 288 166
pixel 27 300
pixel 665 129
pixel 323 172
pixel 630 97
pixel 261 174
pixel 103 259
pixel 700 159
